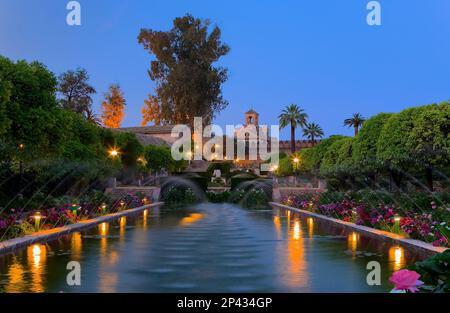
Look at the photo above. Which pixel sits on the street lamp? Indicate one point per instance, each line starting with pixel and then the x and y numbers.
pixel 113 153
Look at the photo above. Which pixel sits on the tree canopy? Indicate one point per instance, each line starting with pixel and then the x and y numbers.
pixel 113 107
pixel 75 91
pixel 187 82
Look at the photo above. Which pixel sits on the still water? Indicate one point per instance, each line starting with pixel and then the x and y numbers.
pixel 206 248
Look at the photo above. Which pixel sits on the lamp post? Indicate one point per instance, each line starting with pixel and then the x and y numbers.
pixel 397 220
pixel 103 208
pixel 74 209
pixel 21 149
pixel 37 220
pixel 296 161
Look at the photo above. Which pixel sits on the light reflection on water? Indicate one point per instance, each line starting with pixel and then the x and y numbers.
pixel 210 248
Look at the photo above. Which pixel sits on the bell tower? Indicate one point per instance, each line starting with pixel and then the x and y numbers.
pixel 251 118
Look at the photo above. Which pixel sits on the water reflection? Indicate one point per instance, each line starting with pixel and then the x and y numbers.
pixel 76 245
pixel 144 218
pixel 16 277
pixel 191 219
pixel 291 253
pixel 103 229
pixel 37 256
pixel 310 227
pixel 278 251
pixel 397 258
pixel 122 226
pixel 352 241
pixel 277 224
pixel 109 258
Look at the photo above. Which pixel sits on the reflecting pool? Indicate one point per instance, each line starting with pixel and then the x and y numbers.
pixel 206 248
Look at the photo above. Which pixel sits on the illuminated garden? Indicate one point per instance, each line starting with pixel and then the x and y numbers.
pixel 113 197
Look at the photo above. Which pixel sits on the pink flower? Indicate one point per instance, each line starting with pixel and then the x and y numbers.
pixel 406 280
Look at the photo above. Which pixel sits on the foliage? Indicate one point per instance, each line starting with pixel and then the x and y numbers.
pixel 157 157
pixel 256 198
pixel 423 217
pixel 321 149
pixel 355 121
pixel 284 167
pixel 75 91
pixel 130 148
pixel 312 131
pixel 151 111
pixel 237 195
pixel 338 153
pixel 113 107
pixel 435 272
pixel 218 197
pixel 365 144
pixel 179 196
pixel 429 140
pixel 17 222
pixel 392 148
pixel 294 116
pixel 187 82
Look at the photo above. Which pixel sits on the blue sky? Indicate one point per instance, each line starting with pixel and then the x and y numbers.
pixel 319 54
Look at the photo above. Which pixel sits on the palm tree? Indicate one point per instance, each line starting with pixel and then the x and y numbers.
pixel 356 121
pixel 294 116
pixel 92 117
pixel 313 131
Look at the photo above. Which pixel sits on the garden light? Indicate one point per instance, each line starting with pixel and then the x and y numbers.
pixel 21 146
pixel 37 220
pixel 74 208
pixel 296 160
pixel 103 208
pixel 397 220
pixel 113 153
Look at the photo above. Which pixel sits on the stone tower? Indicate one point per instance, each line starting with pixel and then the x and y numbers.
pixel 251 118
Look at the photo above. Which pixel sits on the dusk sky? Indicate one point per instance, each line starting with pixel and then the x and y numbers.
pixel 319 54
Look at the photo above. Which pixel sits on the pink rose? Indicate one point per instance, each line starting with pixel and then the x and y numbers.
pixel 406 280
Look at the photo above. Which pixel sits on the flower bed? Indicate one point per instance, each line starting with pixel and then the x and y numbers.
pixel 430 224
pixel 19 222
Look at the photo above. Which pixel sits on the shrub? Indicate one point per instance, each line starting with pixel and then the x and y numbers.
pixel 256 198
pixel 435 272
pixel 218 197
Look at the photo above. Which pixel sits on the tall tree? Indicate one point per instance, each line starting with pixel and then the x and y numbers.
pixel 187 82
pixel 151 111
pixel 75 92
pixel 294 116
pixel 113 107
pixel 312 131
pixel 355 121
